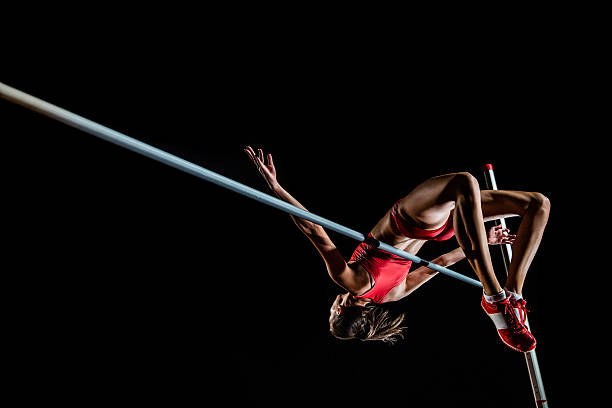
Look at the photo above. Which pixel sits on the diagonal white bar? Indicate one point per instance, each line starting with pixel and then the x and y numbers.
pixel 93 128
pixel 532 360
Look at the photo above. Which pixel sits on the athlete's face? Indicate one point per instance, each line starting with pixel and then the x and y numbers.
pixel 340 303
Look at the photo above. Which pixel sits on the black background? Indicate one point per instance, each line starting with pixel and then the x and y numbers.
pixel 137 281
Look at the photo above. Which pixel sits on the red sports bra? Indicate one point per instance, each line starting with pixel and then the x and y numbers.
pixel 387 270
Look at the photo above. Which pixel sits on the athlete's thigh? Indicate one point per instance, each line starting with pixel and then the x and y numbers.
pixel 504 203
pixel 430 202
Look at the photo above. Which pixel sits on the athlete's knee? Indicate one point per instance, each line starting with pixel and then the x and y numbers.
pixel 539 202
pixel 467 185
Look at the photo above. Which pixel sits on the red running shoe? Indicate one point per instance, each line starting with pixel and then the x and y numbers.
pixel 510 323
pixel 520 308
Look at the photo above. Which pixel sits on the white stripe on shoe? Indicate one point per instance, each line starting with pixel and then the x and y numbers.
pixel 500 322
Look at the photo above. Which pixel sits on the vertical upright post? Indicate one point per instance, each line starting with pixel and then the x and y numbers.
pixel 530 357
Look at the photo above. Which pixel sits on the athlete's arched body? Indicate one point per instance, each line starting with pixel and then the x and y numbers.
pixel 437 209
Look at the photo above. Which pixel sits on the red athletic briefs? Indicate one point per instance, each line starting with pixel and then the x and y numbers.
pixel 388 270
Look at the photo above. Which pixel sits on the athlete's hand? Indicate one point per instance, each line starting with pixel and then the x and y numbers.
pixel 498 235
pixel 267 170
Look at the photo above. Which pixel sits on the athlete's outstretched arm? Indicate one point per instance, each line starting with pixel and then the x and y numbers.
pixel 268 172
pixel 336 265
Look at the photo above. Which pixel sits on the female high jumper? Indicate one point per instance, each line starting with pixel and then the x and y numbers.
pixel 436 210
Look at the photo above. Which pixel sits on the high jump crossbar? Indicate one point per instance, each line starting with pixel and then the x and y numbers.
pixel 54 112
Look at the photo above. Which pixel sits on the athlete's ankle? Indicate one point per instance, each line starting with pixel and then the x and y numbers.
pixel 496 297
pixel 513 295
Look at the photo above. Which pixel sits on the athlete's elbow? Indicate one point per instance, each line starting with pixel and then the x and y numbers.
pixel 443 260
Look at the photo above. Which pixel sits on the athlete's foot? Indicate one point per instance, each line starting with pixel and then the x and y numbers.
pixel 509 318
